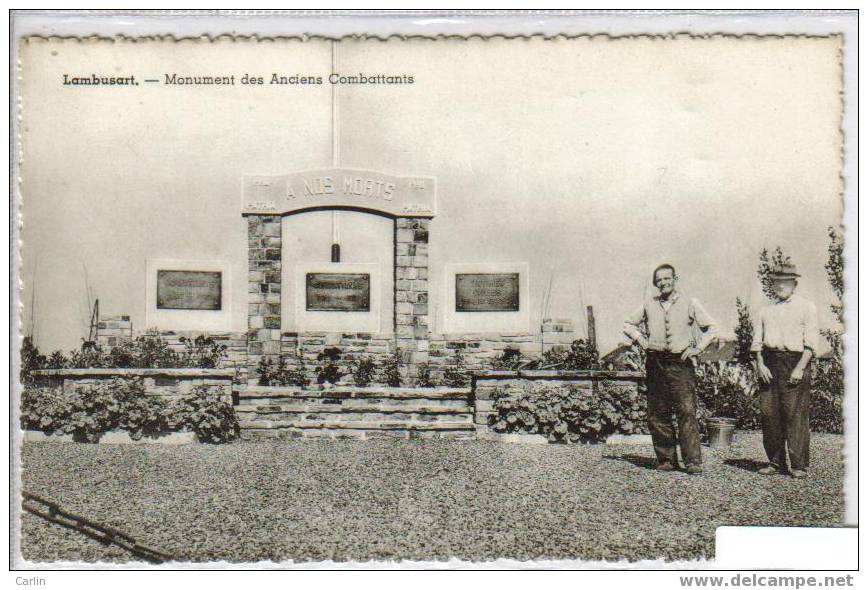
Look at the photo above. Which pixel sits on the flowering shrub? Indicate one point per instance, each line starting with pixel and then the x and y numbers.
pixel 329 371
pixel 363 371
pixel 570 414
pixel 390 373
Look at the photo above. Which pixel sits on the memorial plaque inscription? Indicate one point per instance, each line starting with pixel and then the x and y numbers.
pixel 486 292
pixel 189 289
pixel 338 291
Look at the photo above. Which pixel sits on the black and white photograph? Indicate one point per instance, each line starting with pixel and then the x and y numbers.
pixel 291 297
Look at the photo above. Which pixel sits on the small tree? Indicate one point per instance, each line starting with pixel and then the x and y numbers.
pixel 743 333
pixel 768 261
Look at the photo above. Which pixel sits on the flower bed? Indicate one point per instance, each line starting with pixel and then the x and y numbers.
pixel 564 406
pixel 87 403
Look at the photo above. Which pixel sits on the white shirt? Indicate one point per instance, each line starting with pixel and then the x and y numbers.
pixel 789 325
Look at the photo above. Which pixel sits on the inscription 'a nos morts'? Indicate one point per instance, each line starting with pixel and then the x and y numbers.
pixel 338 291
pixel 189 289
pixel 486 292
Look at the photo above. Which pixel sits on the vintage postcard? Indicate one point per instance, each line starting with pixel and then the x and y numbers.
pixel 553 298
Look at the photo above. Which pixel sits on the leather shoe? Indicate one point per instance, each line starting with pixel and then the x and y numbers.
pixel 665 467
pixel 768 470
pixel 799 473
pixel 694 469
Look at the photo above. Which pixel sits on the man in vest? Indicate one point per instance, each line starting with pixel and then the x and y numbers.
pixel 673 329
pixel 784 341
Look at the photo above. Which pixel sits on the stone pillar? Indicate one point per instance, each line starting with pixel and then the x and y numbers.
pixel 263 291
pixel 411 294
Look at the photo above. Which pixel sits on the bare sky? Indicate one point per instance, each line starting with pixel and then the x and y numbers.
pixel 591 159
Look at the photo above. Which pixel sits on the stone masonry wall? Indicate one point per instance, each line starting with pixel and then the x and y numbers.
pixel 411 294
pixel 169 383
pixel 263 290
pixel 113 331
pixel 305 347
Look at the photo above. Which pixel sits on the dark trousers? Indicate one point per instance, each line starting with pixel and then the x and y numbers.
pixel 672 386
pixel 786 412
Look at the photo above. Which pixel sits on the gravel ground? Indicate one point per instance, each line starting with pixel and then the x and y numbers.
pixel 420 500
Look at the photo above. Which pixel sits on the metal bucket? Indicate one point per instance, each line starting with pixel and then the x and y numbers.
pixel 720 432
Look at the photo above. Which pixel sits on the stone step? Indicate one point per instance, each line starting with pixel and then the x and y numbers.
pixel 356 434
pixel 351 404
pixel 313 424
pixel 354 417
pixel 253 393
pixel 360 406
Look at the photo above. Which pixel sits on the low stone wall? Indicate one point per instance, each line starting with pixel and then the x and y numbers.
pixel 171 383
pixel 516 382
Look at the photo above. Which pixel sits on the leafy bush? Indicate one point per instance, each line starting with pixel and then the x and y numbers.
pixel 329 372
pixel 455 374
pixel 90 355
pixel 57 360
pixel 148 351
pixel 121 404
pixel 265 370
pixel 296 375
pixel 146 415
pixel 390 373
pixel 729 391
pixel 203 352
pixel 212 419
pixel 45 409
pixel 423 378
pixel 571 414
pixel 581 356
pixel 31 360
pixel 827 396
pixel 509 360
pixel 363 371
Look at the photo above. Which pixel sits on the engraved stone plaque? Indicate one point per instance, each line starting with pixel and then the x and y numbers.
pixel 338 291
pixel 486 292
pixel 189 289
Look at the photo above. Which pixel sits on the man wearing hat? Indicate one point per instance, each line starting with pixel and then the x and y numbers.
pixel 668 327
pixel 784 341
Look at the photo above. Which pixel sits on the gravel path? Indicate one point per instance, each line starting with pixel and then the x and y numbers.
pixel 387 500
